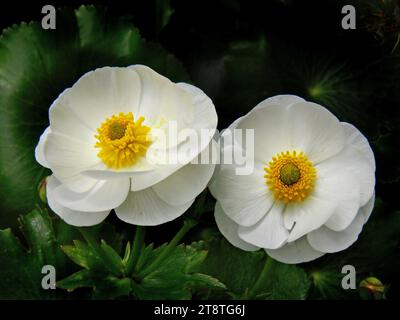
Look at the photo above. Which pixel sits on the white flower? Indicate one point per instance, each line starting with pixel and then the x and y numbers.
pixel 102 133
pixel 312 187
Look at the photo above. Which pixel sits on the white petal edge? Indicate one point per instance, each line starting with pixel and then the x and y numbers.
pixel 244 198
pixel 269 232
pixel 72 217
pixel 65 121
pixel 368 208
pixel 229 230
pixel 146 208
pixel 295 252
pixel 329 241
pixel 344 190
pixel 270 133
pixel 308 215
pixel 68 156
pixel 315 130
pixel 39 150
pixel 103 92
pixel 360 142
pixel 104 195
pixel 352 163
pixel 283 100
pixel 186 183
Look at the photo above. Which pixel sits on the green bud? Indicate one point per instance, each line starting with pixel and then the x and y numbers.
pixel 42 189
pixel 372 289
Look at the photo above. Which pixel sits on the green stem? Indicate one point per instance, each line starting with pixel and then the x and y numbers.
pixel 138 244
pixel 187 225
pixel 265 272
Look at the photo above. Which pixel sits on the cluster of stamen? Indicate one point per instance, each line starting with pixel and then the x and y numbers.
pixel 290 176
pixel 122 140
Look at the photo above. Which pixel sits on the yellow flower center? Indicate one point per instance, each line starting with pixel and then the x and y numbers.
pixel 290 176
pixel 122 141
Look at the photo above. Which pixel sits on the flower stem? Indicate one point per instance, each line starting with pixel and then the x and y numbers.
pixel 187 225
pixel 138 244
pixel 265 273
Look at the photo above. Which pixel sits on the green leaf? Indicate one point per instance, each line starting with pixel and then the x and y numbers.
pixel 83 255
pixel 127 253
pixel 78 279
pixel 239 271
pixel 36 65
pixel 175 278
pixel 20 268
pixel 287 282
pixel 109 287
pixel 113 258
pixel 112 287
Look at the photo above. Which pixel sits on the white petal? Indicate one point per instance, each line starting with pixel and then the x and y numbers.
pixel 39 150
pixel 146 172
pixel 102 172
pixel 68 156
pixel 104 92
pixel 194 134
pixel 267 119
pixel 314 130
pixel 77 183
pixel 72 217
pixel 64 120
pixel 229 230
pixel 269 232
pixel 177 104
pixel 357 140
pixel 283 100
pixel 160 172
pixel 205 115
pixel 185 184
pixel 309 215
pixel 343 189
pixel 144 180
pixel 270 133
pixel 295 252
pixel 351 160
pixel 150 173
pixel 334 202
pixel 160 97
pixel 327 240
pixel 244 198
pixel 368 208
pixel 105 195
pixel 146 208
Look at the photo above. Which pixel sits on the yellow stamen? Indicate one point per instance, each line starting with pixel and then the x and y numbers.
pixel 290 176
pixel 122 141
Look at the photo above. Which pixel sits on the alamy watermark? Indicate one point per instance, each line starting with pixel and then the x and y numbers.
pixel 171 146
pixel 349 20
pixel 49 280
pixel 349 280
